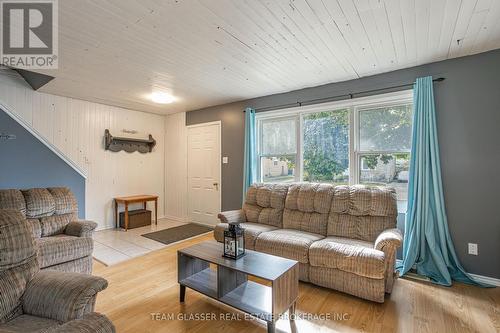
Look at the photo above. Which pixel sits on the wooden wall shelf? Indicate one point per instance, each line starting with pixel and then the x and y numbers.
pixel 114 143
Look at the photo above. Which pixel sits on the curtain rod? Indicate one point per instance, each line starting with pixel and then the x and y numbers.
pixel 336 98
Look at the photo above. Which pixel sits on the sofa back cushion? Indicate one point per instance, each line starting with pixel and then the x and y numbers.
pixel 13 199
pixel 362 212
pixel 39 202
pixel 65 201
pixel 16 241
pixel 307 206
pixel 18 262
pixel 264 203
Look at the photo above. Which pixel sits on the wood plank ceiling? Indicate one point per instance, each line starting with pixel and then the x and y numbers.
pixel 210 52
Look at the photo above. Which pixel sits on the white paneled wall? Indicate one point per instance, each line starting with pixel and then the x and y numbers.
pixel 176 167
pixel 76 128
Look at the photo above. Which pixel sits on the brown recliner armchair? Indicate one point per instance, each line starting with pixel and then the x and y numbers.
pixel 64 243
pixel 42 301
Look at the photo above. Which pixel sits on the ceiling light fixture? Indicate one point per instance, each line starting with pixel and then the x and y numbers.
pixel 161 97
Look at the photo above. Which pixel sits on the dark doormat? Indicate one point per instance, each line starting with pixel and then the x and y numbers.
pixel 175 234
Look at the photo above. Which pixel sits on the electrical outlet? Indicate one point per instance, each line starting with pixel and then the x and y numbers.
pixel 473 249
pixel 225 160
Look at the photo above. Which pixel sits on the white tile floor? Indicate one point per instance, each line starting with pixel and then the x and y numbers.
pixel 112 246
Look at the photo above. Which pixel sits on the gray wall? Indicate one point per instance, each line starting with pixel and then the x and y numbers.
pixel 26 162
pixel 468 116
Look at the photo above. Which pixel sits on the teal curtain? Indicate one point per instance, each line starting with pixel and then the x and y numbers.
pixel 249 161
pixel 427 242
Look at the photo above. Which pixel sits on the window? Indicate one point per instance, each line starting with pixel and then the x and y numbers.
pixel 325 138
pixel 388 170
pixel 365 164
pixel 366 140
pixel 278 149
pixel 384 146
pixel 385 128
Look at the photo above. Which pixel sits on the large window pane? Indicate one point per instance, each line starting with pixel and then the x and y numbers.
pixel 278 169
pixel 387 128
pixel 279 136
pixel 386 170
pixel 326 147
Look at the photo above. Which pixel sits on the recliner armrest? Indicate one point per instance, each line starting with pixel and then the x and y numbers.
pixel 390 238
pixel 80 228
pixel 233 216
pixel 61 296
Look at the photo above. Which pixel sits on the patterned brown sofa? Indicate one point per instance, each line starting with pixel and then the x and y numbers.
pixel 344 237
pixel 42 301
pixel 64 243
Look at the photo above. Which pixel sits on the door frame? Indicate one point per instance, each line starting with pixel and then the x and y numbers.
pixel 219 124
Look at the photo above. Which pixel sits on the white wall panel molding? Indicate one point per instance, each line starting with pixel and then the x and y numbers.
pixel 74 129
pixel 176 167
pixel 37 135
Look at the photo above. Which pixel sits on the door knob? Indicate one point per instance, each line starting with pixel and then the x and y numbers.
pixel 216 186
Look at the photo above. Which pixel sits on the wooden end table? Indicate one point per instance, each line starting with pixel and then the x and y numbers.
pixel 134 199
pixel 229 283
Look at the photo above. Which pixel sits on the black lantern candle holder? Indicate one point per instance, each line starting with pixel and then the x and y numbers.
pixel 234 241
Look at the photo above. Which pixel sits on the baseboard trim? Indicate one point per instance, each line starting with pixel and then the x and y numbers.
pixel 486 279
pixel 176 218
pixel 106 227
pixel 478 278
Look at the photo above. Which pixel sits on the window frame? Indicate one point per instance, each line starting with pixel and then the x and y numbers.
pixel 354 106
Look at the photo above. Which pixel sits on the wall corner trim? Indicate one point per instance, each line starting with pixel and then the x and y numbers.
pixel 37 135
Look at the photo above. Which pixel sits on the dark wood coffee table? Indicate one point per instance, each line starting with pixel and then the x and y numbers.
pixel 229 282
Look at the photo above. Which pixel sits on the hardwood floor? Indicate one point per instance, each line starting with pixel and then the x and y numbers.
pixel 148 285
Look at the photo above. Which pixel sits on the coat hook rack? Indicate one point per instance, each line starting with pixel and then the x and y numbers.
pixel 116 144
pixel 5 136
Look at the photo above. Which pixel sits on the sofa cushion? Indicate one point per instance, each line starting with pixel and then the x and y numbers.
pixel 349 255
pixel 16 241
pixel 13 199
pixel 264 204
pixel 307 206
pixel 287 243
pixel 362 200
pixel 62 248
pixel 252 230
pixel 65 201
pixel 36 227
pixel 55 224
pixel 362 212
pixel 39 202
pixel 18 262
pixel 365 228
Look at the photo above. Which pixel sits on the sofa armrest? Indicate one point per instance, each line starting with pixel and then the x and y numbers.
pixel 80 228
pixel 61 296
pixel 93 322
pixel 390 239
pixel 388 242
pixel 233 216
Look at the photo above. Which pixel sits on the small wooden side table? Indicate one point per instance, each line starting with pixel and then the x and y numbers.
pixel 134 199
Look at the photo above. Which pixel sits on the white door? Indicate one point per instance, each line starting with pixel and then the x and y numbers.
pixel 204 172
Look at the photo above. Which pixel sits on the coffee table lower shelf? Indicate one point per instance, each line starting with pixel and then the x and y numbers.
pixel 250 297
pixel 228 282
